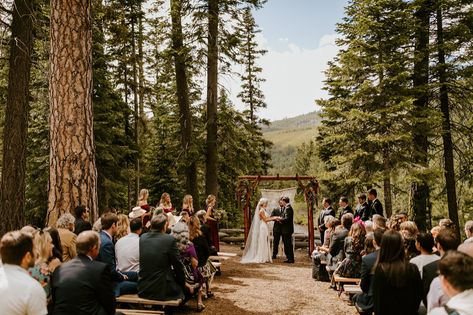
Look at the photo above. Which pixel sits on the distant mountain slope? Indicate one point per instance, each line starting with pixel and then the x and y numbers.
pixel 287 135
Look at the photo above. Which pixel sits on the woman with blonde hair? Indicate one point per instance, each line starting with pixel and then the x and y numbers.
pixel 123 227
pixel 143 199
pixel 165 203
pixel 212 222
pixel 187 204
pixel 45 264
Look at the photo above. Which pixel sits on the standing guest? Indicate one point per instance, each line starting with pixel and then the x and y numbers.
pixel 362 209
pixel 161 272
pixel 57 248
pixel 343 203
pixel 212 222
pixel 203 252
pixel 82 222
pixel 189 259
pixel 446 240
pixel 143 199
pixel 326 211
pixel 143 203
pixel 469 231
pixel 123 227
pixel 376 206
pixel 165 203
pixel 397 287
pixel 456 276
pixel 19 293
pixel 127 248
pixel 364 301
pixel 202 215
pixel 188 205
pixel 83 285
pixel 124 282
pixel 424 244
pixel 65 228
pixel 353 246
pixel 337 242
pixel 45 264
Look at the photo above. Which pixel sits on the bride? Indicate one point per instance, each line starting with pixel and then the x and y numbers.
pixel 257 248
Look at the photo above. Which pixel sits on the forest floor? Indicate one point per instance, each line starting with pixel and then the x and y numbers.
pixel 276 288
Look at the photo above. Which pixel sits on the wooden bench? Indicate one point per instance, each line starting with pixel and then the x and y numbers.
pixel 352 289
pixel 218 258
pixel 346 280
pixel 135 299
pixel 224 254
pixel 139 312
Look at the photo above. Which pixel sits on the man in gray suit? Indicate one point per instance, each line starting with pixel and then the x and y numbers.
pixel 161 275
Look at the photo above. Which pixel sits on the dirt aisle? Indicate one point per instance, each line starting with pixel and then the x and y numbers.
pixel 276 288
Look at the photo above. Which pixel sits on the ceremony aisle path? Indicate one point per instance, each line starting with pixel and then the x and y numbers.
pixel 276 288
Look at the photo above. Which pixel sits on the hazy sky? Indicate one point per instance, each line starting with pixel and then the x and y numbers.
pixel 299 36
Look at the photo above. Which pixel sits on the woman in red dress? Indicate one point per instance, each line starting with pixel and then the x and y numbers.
pixel 212 222
pixel 188 205
pixel 165 203
pixel 143 203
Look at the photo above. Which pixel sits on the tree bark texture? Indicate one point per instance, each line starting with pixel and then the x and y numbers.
pixel 420 189
pixel 211 180
pixel 185 115
pixel 449 168
pixel 12 200
pixel 73 175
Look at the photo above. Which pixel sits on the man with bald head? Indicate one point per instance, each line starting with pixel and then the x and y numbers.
pixel 83 285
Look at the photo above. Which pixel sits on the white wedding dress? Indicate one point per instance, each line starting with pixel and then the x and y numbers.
pixel 257 247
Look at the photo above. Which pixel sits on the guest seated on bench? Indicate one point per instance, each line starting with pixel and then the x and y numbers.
pixel 354 243
pixel 364 301
pixel 188 256
pixel 161 275
pixel 319 255
pixel 337 242
pixel 124 282
pixel 82 285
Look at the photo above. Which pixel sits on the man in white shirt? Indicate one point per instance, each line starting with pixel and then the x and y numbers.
pixel 424 244
pixel 19 293
pixel 127 248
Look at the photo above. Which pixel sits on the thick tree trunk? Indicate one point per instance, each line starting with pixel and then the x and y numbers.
pixel 211 180
pixel 12 199
pixel 388 203
pixel 185 115
pixel 73 176
pixel 136 108
pixel 420 189
pixel 449 169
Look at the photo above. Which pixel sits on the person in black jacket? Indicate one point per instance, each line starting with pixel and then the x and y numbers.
pixel 397 286
pixel 277 228
pixel 161 275
pixel 364 301
pixel 376 206
pixel 337 241
pixel 82 285
pixel 363 211
pixel 287 229
pixel 82 222
pixel 343 203
pixel 326 211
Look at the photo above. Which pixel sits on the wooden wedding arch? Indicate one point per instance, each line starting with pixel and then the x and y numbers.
pixel 248 184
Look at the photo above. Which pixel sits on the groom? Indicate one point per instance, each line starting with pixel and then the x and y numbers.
pixel 287 229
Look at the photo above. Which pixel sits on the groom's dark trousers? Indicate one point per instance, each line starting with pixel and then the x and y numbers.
pixel 287 229
pixel 276 232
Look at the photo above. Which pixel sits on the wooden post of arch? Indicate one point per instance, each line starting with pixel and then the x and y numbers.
pixel 247 184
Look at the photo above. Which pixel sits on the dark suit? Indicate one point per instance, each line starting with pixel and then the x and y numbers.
pixel 80 226
pixel 345 210
pixel 363 212
pixel 82 286
pixel 337 243
pixel 287 229
pixel 161 275
pixel 364 301
pixel 277 231
pixel 321 221
pixel 376 207
pixel 429 272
